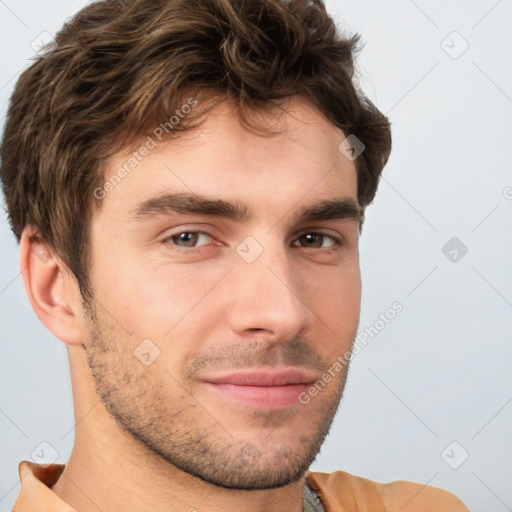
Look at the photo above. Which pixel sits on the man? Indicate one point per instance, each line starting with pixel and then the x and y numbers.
pixel 187 181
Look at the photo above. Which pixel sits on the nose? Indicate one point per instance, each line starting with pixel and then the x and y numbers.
pixel 269 295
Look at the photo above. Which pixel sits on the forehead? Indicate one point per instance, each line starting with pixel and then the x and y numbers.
pixel 222 159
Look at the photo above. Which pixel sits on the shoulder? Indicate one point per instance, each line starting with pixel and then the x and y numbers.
pixel 340 491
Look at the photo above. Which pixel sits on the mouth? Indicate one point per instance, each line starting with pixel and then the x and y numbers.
pixel 270 388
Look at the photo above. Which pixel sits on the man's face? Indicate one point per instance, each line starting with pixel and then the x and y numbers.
pixel 185 299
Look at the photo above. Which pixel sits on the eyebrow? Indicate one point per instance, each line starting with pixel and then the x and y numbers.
pixel 189 204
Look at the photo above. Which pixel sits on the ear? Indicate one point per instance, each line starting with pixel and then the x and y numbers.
pixel 52 291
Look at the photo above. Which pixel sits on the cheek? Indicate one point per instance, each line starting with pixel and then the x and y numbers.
pixel 160 299
pixel 341 302
pixel 335 286
pixel 336 301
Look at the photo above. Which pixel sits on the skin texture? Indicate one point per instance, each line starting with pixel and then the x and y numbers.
pixel 155 433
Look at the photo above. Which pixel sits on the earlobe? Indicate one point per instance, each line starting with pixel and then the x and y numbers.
pixel 49 289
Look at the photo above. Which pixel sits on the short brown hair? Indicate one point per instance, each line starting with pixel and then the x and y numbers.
pixel 120 65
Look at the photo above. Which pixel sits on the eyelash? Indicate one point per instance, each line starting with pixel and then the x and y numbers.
pixel 338 241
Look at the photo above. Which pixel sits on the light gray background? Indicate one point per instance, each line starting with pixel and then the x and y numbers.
pixel 440 371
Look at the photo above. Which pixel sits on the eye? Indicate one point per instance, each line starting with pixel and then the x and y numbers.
pixel 187 238
pixel 315 240
pixel 193 239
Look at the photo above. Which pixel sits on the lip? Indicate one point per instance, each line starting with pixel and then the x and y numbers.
pixel 264 377
pixel 264 388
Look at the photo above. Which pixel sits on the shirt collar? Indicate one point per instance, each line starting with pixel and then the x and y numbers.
pixel 35 493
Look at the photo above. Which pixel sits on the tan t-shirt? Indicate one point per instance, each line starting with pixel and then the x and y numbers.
pixel 338 492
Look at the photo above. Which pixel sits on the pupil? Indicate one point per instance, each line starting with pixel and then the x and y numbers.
pixel 310 238
pixel 188 238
